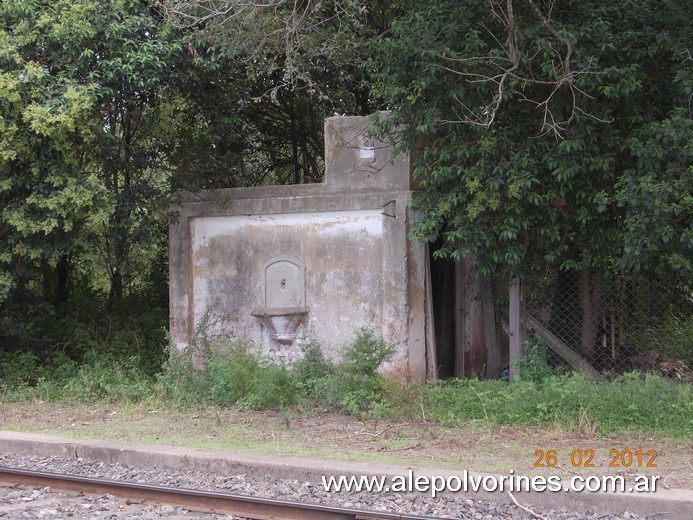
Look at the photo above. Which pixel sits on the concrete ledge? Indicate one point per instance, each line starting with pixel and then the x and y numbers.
pixel 661 505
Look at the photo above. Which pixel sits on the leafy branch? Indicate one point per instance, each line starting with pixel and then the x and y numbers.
pixel 506 63
pixel 290 35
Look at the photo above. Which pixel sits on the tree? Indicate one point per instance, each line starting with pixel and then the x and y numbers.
pixel 655 193
pixel 135 61
pixel 105 109
pixel 293 37
pixel 547 135
pixel 302 61
pixel 49 191
pixel 95 112
pixel 92 94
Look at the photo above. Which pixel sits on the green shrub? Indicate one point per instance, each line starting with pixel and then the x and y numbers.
pixel 636 401
pixel 90 324
pixel 19 368
pixel 102 377
pixel 534 364
pixel 329 391
pixel 179 381
pixel 235 373
pixel 401 399
pixel 311 369
pixel 274 388
pixel 231 371
pixel 354 385
pixel 365 354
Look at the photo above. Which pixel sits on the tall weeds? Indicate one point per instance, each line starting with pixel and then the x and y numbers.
pixel 234 373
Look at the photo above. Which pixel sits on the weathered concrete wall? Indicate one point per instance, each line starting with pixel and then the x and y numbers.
pixel 343 256
pixel 349 235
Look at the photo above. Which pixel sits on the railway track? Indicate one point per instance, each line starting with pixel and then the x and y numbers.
pixel 254 508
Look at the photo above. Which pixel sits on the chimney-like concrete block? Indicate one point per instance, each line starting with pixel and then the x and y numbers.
pixel 356 160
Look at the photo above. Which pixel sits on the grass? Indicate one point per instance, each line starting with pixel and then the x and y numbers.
pixel 336 436
pixel 639 402
pixel 235 375
pixel 243 401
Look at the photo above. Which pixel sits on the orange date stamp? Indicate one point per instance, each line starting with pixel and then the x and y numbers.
pixel 584 458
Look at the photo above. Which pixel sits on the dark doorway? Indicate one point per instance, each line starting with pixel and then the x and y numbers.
pixel 443 296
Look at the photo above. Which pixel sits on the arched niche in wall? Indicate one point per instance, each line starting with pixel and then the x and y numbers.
pixel 283 297
pixel 283 282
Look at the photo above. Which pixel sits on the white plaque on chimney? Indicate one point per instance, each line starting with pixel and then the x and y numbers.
pixel 367 153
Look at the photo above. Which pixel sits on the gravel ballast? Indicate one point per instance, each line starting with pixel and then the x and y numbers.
pixel 447 506
pixel 39 503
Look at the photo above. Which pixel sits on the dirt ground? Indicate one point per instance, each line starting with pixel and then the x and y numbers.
pixel 474 447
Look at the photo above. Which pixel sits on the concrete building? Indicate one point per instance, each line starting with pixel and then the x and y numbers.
pixel 277 264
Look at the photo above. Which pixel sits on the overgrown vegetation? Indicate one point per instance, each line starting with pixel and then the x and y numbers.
pixel 534 365
pixel 546 137
pixel 563 143
pixel 631 401
pixel 671 336
pixel 236 374
pixel 107 108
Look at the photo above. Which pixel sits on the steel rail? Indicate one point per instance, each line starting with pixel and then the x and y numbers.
pixel 255 508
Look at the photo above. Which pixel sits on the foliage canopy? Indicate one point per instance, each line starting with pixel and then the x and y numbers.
pixel 547 134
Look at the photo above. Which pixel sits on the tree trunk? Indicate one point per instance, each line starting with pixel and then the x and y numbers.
pixel 590 296
pixel 62 271
pixel 116 291
pixel 490 333
pixel 56 282
pixel 47 275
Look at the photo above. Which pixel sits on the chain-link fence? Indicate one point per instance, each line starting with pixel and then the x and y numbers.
pixel 616 324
